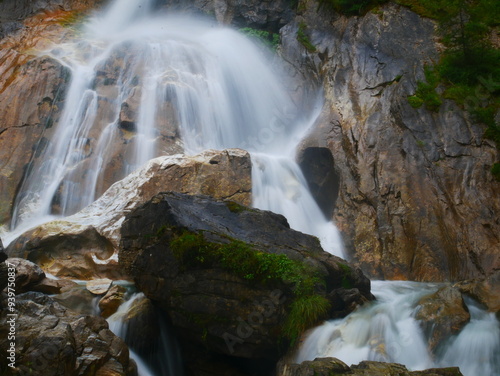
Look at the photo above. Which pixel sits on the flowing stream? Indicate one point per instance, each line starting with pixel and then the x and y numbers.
pixel 138 79
pixel 386 330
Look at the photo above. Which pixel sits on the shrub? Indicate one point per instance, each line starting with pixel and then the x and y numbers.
pixel 267 38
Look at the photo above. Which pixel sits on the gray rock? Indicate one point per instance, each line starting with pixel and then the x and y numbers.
pixel 28 273
pixel 53 341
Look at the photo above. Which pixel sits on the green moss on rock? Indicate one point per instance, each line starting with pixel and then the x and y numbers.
pixel 193 250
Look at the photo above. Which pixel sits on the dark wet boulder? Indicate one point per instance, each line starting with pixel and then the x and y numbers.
pixel 234 280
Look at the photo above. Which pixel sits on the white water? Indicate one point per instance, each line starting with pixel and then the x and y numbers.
pixel 386 331
pixel 118 327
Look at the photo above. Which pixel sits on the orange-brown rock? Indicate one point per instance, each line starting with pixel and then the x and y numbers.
pixel 110 302
pixel 32 88
pixel 486 291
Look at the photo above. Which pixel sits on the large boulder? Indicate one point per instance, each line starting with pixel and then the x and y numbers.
pixel 53 341
pixel 416 199
pixel 235 280
pixel 83 246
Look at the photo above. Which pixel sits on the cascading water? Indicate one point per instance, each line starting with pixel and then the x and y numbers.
pixel 387 331
pixel 164 357
pixel 133 73
pixel 214 82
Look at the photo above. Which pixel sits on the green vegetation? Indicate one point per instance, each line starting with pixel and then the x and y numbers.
pixel 495 171
pixel 267 38
pixel 193 250
pixel 426 92
pixel 304 39
pixel 235 207
pixel 346 276
pixel 304 312
pixel 350 7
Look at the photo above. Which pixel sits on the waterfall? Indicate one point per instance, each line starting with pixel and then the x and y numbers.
pixel 163 357
pixel 138 79
pixel 131 71
pixel 386 330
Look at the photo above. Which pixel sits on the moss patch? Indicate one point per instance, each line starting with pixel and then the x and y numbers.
pixel 235 207
pixel 192 250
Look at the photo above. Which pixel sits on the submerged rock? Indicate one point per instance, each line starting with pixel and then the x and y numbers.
pixel 83 246
pixel 442 315
pixel 334 367
pixel 234 280
pixel 53 341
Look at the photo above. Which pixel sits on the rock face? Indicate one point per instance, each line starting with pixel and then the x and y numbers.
pixel 416 199
pixel 53 341
pixel 333 367
pixel 227 274
pixel 32 90
pixel 82 246
pixel 442 315
pixel 267 14
pixel 33 86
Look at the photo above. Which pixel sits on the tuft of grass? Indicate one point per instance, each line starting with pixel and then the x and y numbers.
pixel 304 39
pixel 305 311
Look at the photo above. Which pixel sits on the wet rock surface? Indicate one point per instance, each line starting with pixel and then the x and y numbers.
pixel 209 301
pixel 442 315
pixel 53 341
pixel 333 367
